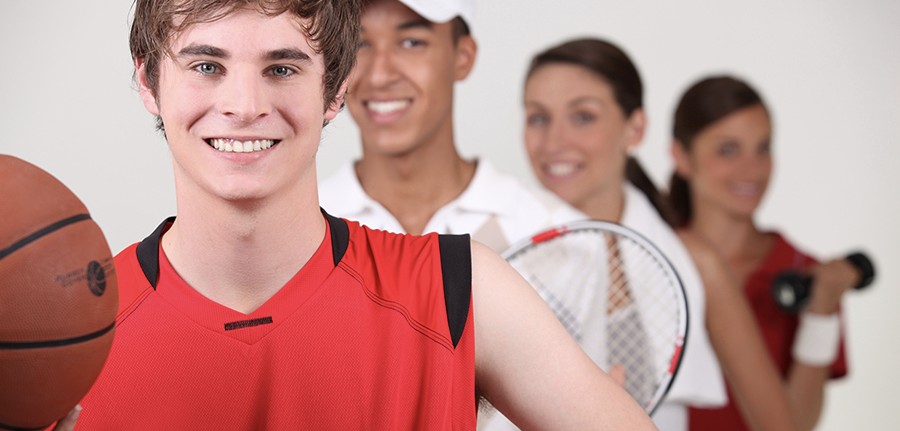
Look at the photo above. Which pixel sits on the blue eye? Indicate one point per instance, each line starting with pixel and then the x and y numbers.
pixel 206 68
pixel 282 71
pixel 537 120
pixel 582 118
pixel 728 149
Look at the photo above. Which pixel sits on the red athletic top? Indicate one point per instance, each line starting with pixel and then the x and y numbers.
pixel 778 329
pixel 370 334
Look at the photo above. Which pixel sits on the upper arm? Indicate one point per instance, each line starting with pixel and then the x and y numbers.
pixel 529 367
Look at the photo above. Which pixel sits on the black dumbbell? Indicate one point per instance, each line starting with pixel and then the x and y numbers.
pixel 790 289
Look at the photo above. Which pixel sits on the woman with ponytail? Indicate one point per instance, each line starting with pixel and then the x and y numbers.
pixel 722 139
pixel 584 117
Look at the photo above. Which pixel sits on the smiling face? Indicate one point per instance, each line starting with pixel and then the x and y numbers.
pixel 729 164
pixel 242 103
pixel 576 134
pixel 401 90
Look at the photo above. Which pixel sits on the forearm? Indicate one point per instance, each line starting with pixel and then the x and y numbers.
pixel 806 393
pixel 758 389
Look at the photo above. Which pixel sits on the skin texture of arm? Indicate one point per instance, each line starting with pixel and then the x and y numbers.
pixel 529 367
pixel 806 383
pixel 759 391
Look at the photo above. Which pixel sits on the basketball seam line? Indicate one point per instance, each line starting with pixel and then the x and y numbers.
pixel 56 343
pixel 12 428
pixel 47 230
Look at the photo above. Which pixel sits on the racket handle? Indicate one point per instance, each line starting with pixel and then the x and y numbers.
pixel 791 289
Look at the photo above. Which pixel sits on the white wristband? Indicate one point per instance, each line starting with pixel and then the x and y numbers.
pixel 817 339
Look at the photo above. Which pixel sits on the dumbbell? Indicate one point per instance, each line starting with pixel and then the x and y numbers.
pixel 791 289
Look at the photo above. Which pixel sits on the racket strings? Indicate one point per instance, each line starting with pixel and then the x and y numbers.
pixel 627 339
pixel 617 300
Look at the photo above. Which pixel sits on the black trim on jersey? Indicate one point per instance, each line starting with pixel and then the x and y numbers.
pixel 148 249
pixel 340 236
pixel 148 252
pixel 456 268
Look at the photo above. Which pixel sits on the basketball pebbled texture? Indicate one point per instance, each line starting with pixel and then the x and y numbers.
pixel 58 297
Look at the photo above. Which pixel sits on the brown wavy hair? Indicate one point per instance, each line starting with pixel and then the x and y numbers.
pixel 333 30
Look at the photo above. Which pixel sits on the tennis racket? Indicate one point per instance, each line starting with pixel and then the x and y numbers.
pixel 617 295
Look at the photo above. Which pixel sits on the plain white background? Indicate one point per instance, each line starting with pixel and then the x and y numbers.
pixel 829 69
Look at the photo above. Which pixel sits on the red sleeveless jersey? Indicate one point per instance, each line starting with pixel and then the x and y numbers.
pixel 375 332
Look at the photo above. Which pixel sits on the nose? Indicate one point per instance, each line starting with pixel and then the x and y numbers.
pixel 556 136
pixel 378 67
pixel 244 98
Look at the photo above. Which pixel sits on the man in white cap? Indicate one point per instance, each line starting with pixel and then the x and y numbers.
pixel 411 178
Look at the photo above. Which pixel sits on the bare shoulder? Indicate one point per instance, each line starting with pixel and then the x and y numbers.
pixel 712 266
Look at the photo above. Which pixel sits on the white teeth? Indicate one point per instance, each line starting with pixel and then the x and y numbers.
pixel 561 169
pixel 388 106
pixel 232 146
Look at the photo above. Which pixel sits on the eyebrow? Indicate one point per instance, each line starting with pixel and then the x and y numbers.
pixel 212 51
pixel 588 99
pixel 288 54
pixel 418 23
pixel 193 50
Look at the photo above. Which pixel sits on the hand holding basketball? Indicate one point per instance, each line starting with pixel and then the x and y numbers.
pixel 58 297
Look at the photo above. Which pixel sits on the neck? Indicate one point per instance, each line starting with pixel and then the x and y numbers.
pixel 607 205
pixel 240 254
pixel 737 238
pixel 414 185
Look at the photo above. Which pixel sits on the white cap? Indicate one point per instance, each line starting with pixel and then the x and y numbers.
pixel 441 11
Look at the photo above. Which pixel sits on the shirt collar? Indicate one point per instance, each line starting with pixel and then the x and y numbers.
pixel 489 192
pixel 355 200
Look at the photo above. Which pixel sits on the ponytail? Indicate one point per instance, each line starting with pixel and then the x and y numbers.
pixel 679 200
pixel 637 176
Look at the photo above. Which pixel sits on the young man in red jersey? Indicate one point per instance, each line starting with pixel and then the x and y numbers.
pixel 253 309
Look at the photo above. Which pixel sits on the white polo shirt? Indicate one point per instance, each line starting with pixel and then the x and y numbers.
pixel 496 209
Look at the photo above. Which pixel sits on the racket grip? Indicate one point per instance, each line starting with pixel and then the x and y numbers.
pixel 791 289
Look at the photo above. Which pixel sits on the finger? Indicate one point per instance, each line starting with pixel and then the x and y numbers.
pixel 617 373
pixel 68 423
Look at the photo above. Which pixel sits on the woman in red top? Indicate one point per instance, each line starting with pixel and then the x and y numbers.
pixel 722 134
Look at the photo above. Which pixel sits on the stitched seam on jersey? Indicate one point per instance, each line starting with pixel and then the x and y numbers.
pixel 138 299
pixel 396 306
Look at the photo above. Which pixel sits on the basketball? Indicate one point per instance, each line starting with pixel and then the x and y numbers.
pixel 58 297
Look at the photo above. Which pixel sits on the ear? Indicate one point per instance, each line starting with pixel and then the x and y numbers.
pixel 466 50
pixel 147 95
pixel 635 125
pixel 338 101
pixel 680 156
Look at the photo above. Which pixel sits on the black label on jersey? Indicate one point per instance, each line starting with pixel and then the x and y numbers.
pixel 230 326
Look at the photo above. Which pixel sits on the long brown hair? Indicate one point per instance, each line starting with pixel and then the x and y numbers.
pixel 704 103
pixel 612 64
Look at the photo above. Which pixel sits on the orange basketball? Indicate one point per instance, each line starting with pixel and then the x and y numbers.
pixel 58 297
